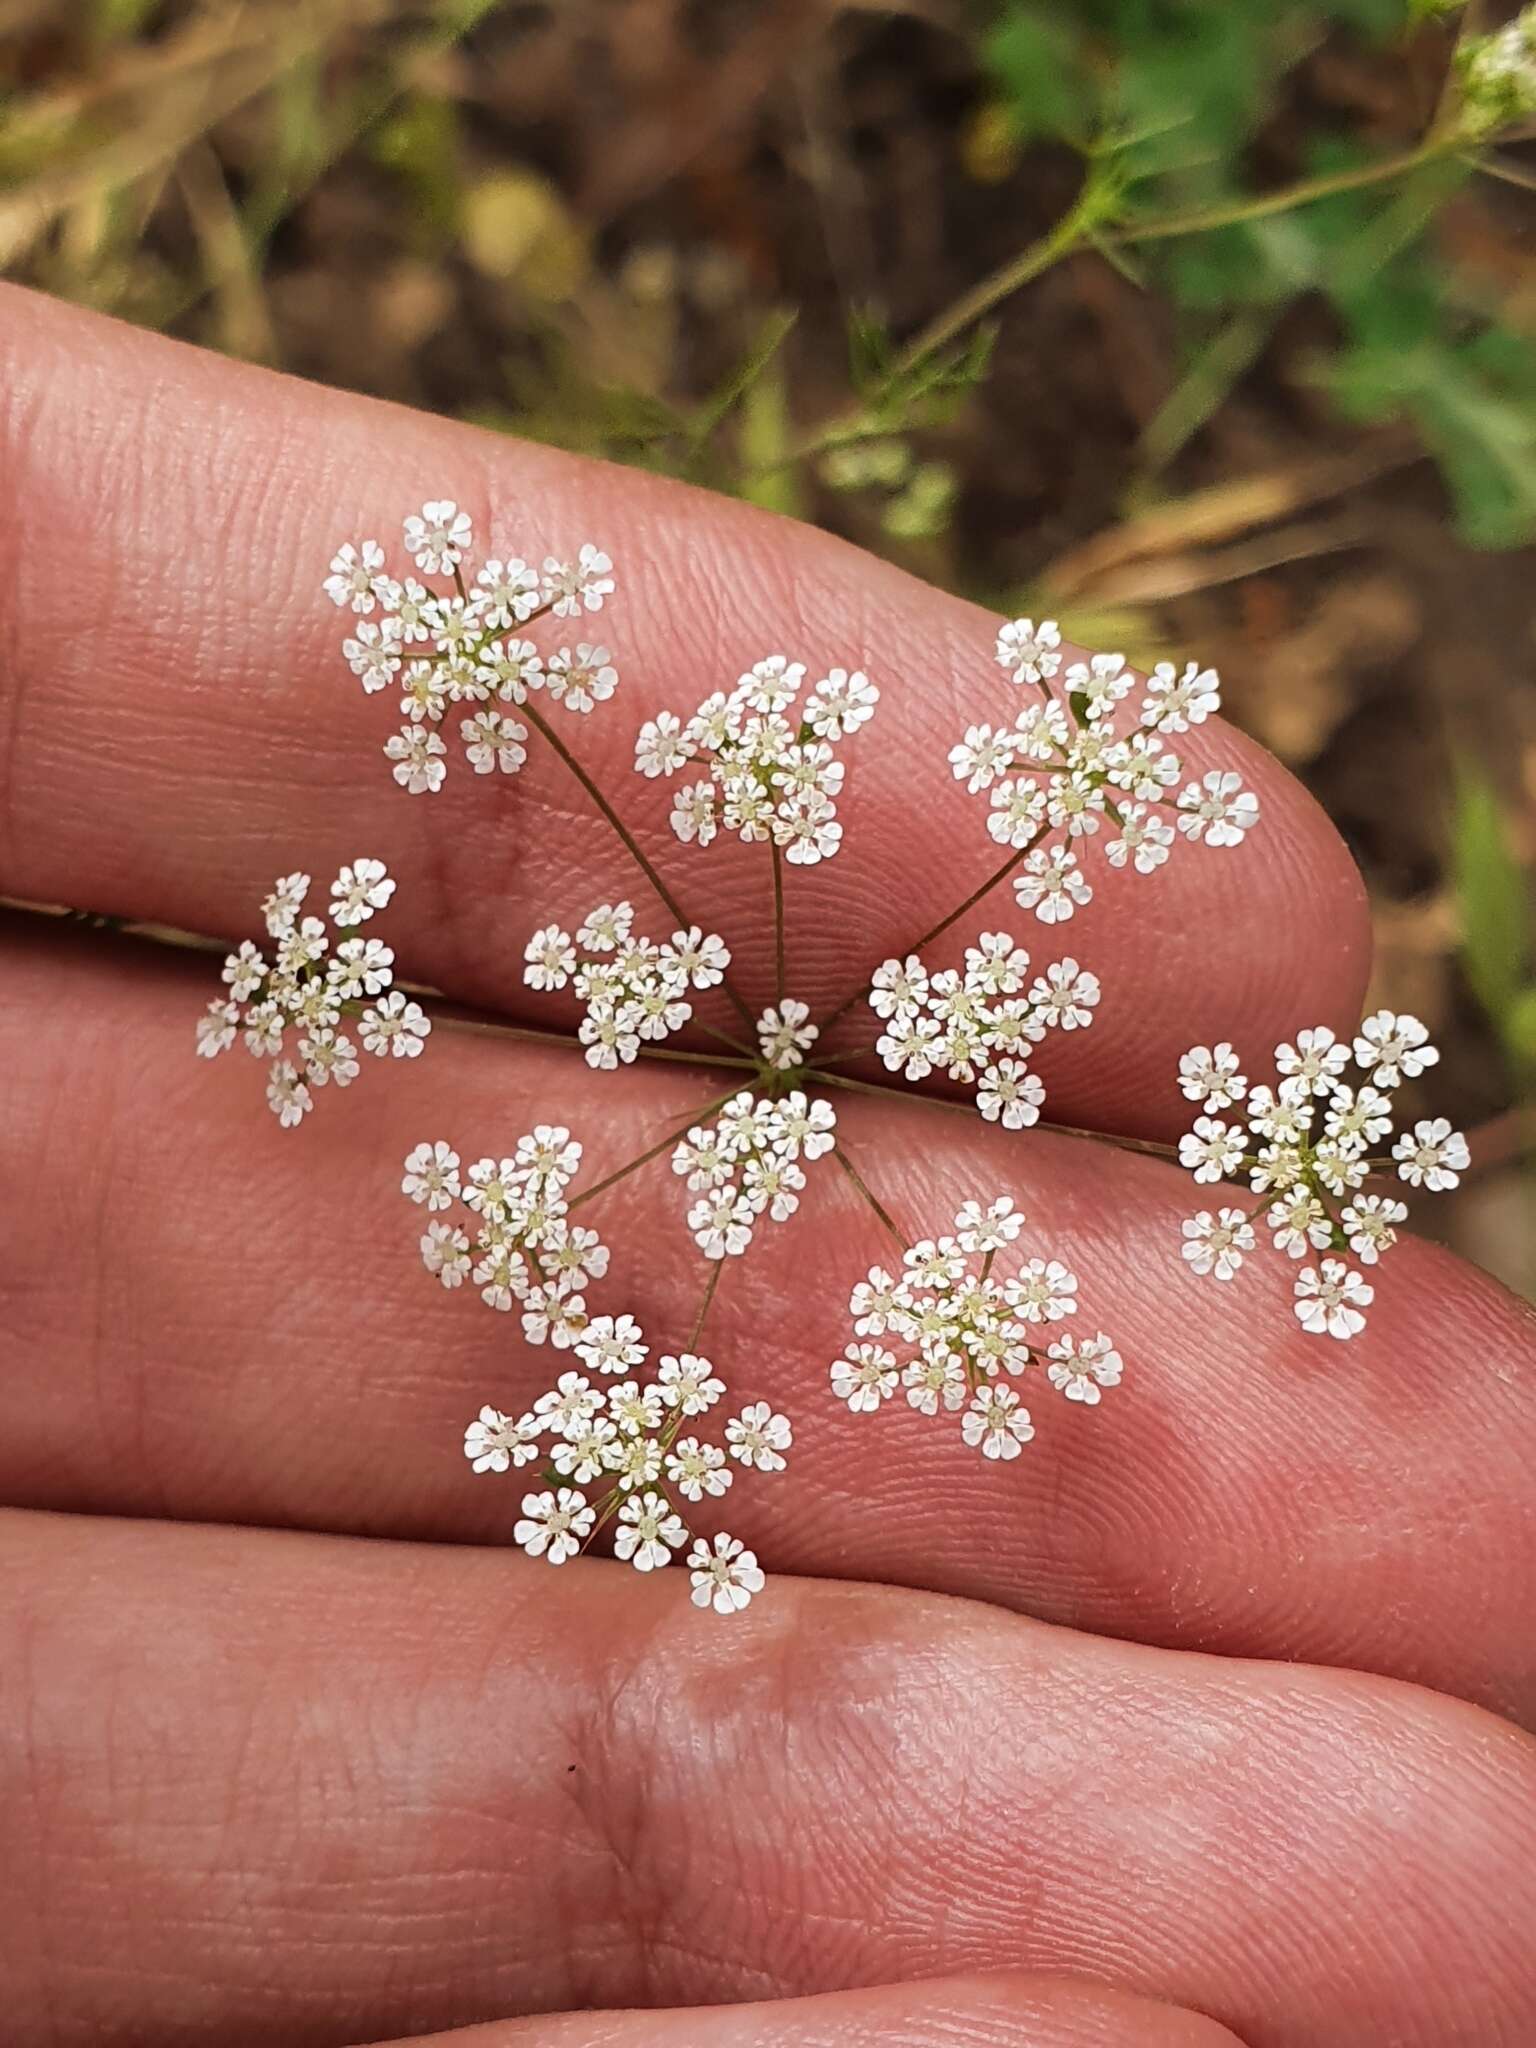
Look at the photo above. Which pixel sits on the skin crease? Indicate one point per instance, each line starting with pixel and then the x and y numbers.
pixel 1004 2011
pixel 289 1785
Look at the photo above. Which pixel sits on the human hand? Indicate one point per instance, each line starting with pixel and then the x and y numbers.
pixel 262 1782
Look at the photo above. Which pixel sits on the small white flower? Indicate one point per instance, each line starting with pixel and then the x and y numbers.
pixel 1212 1077
pixel 354 578
pixel 493 741
pixel 508 592
pixel 1370 1225
pixel 841 703
pixel 550 958
pixel 606 928
pixel 582 680
pixel 217 1029
pixel 1218 809
pixel 759 1437
pixel 417 754
pixel 1315 1061
pixel 864 1377
pixel 437 537
pixel 570 587
pixel 697 1469
pixel 1216 1244
pixel 721 1224
pixel 1043 1291
pixel 1080 1370
pixel 648 1532
pixel 445 1254
pixel 688 1383
pixel 725 1577
pixel 1027 652
pixel 1394 1048
pixel 554 1525
pixel 1175 702
pixel 785 1033
pixel 359 890
pixel 1011 1095
pixel 287 1096
pixel 395 1025
pixel 1432 1155
pixel 1051 885
pixel 1213 1149
pixel 495 1443
pixel 988 1230
pixel 661 748
pixel 1066 995
pixel 432 1175
pixel 982 756
pixel 1331 1300
pixel 373 655
pixel 611 1344
pixel 995 1423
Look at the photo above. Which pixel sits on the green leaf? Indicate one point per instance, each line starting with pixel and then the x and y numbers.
pixel 1037 60
pixel 1490 895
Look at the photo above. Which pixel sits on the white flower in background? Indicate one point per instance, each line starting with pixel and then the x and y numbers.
pixel 1308 1142
pixel 969 1330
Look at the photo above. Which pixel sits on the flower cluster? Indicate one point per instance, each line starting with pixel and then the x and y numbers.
pixel 1306 1148
pixel 457 646
pixel 771 776
pixel 635 991
pixel 747 1165
pixel 963 1328
pixel 1060 774
pixel 1498 77
pixel 516 1243
pixel 310 990
pixel 615 1452
pixel 980 1025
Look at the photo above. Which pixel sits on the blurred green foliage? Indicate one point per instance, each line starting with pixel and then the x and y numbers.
pixel 1498 931
pixel 1183 91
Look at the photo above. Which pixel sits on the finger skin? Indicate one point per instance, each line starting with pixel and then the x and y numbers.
pixel 1006 2010
pixel 443 1784
pixel 182 727
pixel 203 1315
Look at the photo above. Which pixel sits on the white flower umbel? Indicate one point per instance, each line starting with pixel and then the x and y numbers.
pixel 750 1164
pixel 635 991
pixel 774 770
pixel 1306 1147
pixel 1070 773
pixel 950 1332
pixel 980 1025
pixel 509 1232
pixel 633 1454
pixel 455 650
pixel 308 985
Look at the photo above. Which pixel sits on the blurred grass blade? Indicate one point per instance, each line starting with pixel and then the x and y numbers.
pixel 1490 896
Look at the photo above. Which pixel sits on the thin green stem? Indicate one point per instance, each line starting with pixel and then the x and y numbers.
pixel 715 1266
pixel 655 1151
pixel 778 922
pixel 936 931
pixel 840 1153
pixel 1083 226
pixel 1265 205
pixel 632 845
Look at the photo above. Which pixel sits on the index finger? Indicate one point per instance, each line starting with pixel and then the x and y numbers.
pixel 181 725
